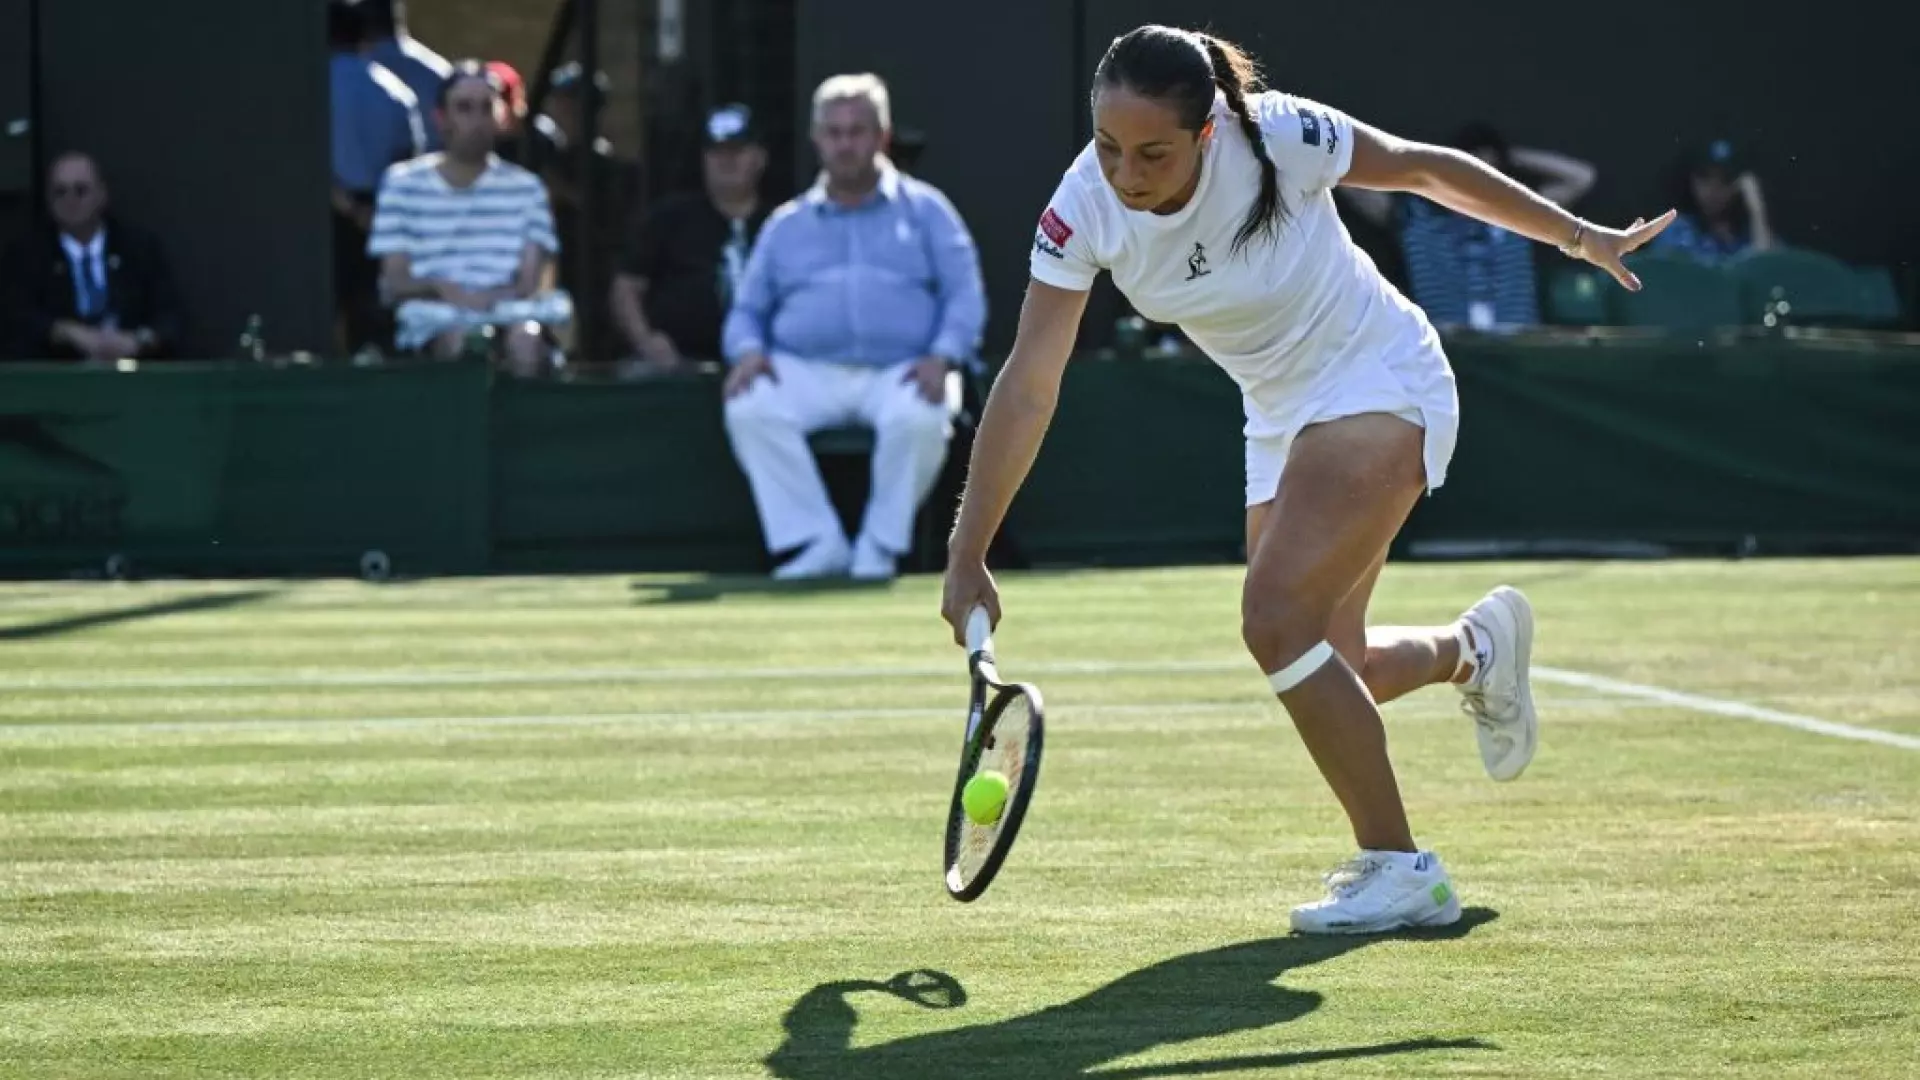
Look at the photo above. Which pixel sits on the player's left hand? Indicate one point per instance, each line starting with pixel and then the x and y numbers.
pixel 1604 247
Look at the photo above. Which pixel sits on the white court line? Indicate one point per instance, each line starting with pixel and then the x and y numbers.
pixel 108 729
pixel 1723 707
pixel 375 679
pixel 1616 687
pixel 719 716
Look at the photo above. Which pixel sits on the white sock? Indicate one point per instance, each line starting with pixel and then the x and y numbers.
pixel 1475 649
pixel 1405 860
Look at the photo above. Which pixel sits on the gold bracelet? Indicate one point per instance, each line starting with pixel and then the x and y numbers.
pixel 1571 249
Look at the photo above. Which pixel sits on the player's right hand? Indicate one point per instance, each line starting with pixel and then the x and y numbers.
pixel 968 583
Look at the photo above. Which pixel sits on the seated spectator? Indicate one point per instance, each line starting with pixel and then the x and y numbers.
pixel 87 285
pixel 376 122
pixel 511 142
pixel 1462 271
pixel 556 137
pixel 466 240
pixel 392 47
pixel 1722 212
pixel 859 300
pixel 683 265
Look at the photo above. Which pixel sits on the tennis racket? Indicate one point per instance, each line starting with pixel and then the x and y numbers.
pixel 1005 730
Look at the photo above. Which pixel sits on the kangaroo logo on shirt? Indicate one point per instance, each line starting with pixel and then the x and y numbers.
pixel 1197 262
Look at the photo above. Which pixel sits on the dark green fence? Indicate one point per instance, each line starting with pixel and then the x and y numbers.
pixel 210 469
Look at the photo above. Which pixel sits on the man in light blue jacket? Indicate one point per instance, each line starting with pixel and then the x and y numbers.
pixel 862 297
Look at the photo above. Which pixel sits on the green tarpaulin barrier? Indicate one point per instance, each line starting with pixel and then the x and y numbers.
pixel 216 469
pixel 204 469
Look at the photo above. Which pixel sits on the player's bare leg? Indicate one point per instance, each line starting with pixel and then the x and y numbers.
pixel 1486 653
pixel 1392 661
pixel 1346 489
pixel 1402 659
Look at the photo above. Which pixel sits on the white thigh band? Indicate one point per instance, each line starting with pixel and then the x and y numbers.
pixel 1297 672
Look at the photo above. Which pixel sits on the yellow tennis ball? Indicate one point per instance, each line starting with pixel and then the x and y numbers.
pixel 984 797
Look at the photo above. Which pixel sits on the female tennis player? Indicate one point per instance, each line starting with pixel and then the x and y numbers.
pixel 1209 201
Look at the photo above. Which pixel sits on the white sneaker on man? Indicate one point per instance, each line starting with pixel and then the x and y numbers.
pixel 1376 892
pixel 1499 696
pixel 871 562
pixel 825 557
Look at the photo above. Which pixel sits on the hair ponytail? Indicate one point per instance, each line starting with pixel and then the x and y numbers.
pixel 1237 76
pixel 1184 70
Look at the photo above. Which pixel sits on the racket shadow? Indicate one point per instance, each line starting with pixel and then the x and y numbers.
pixel 1196 996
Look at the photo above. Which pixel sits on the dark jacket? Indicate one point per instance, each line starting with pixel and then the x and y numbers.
pixel 36 291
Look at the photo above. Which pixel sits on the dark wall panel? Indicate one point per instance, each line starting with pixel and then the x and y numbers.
pixel 998 110
pixel 215 140
pixel 16 98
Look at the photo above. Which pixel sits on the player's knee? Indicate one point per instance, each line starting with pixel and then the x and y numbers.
pixel 1279 626
pixel 1350 647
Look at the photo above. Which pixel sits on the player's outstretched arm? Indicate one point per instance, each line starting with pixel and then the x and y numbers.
pixel 1464 183
pixel 1019 408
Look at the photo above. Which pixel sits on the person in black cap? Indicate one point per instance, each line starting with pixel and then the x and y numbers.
pixel 1722 211
pixel 677 276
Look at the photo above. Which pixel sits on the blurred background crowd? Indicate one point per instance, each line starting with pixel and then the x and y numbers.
pixel 640 246
pixel 823 207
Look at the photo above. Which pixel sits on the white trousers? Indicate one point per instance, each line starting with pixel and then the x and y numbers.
pixel 769 422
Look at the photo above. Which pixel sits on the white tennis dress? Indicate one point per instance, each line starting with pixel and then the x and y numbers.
pixel 1305 324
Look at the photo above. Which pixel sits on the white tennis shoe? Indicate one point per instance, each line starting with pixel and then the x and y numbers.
pixel 1500 698
pixel 1376 893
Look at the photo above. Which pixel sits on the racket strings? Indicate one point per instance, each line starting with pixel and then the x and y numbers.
pixel 1010 746
pixel 1003 751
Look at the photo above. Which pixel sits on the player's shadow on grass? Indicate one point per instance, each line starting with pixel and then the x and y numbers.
pixel 1196 996
pixel 159 609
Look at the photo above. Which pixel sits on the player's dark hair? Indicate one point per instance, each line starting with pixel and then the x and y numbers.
pixel 1183 70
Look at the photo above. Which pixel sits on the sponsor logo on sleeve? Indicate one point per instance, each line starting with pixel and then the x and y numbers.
pixel 1309 129
pixel 1055 228
pixel 1333 134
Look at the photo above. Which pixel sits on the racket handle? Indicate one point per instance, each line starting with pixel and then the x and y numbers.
pixel 979 630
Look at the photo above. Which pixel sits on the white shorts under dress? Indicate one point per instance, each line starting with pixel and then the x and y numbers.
pixel 1416 386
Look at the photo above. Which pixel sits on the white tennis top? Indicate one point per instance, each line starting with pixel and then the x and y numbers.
pixel 1286 318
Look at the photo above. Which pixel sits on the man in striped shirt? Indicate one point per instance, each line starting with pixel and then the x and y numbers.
pixel 465 239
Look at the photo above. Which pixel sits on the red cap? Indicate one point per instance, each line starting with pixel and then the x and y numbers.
pixel 516 87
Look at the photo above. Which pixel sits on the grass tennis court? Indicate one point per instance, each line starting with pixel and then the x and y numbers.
pixel 666 827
